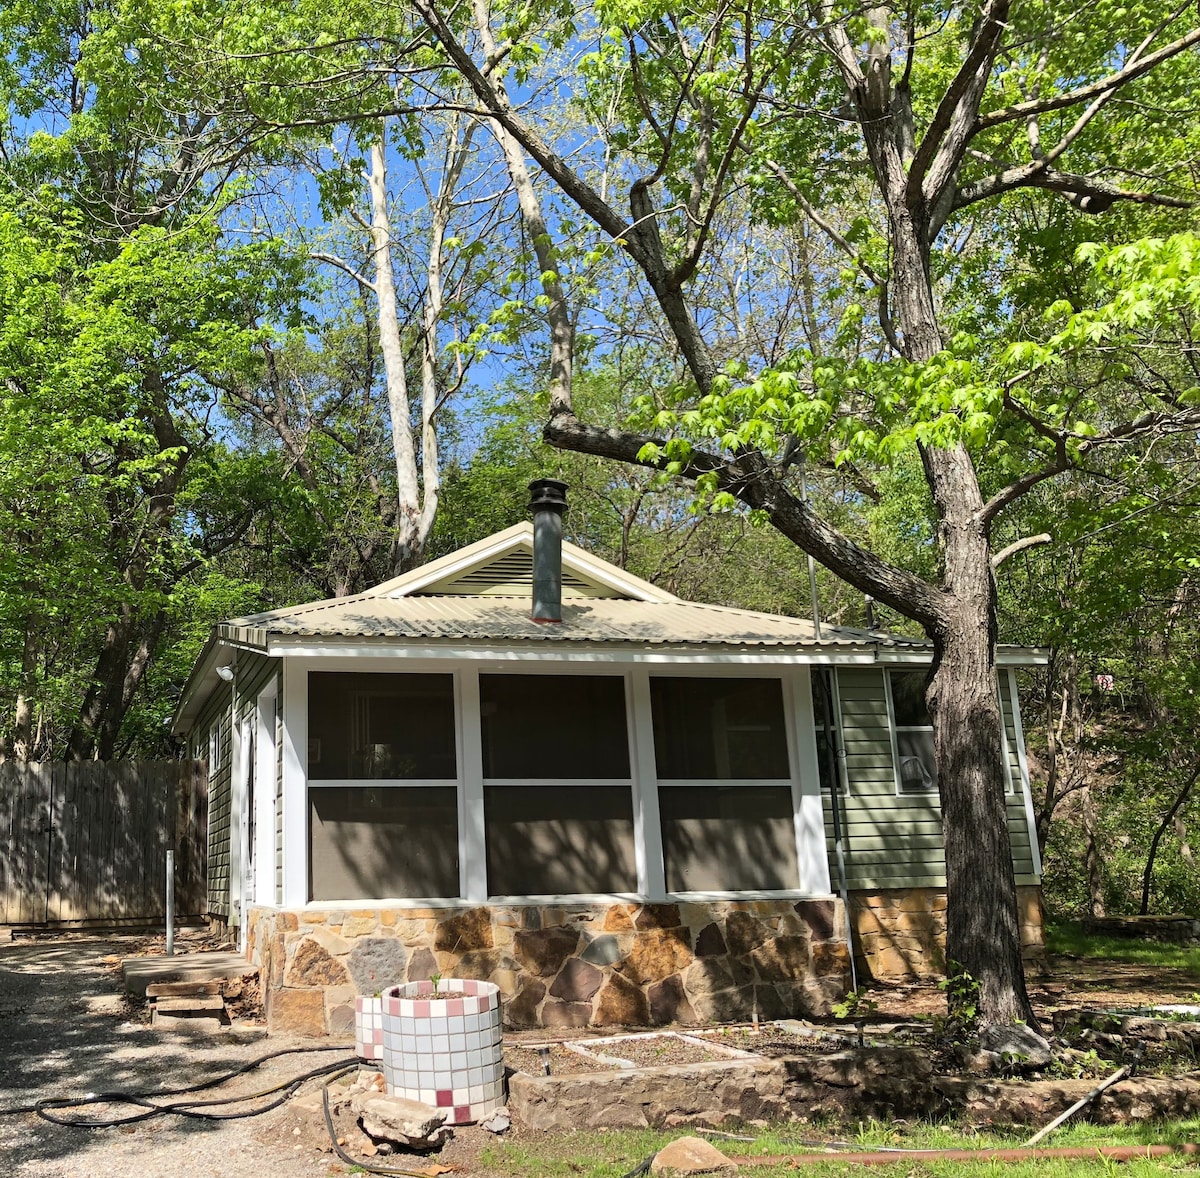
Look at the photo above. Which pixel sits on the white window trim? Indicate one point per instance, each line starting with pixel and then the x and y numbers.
pixel 1023 763
pixel 894 730
pixel 804 778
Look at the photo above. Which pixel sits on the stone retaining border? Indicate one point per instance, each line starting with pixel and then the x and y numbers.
pixel 856 1084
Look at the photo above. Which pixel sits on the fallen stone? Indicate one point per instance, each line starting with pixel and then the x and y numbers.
pixel 407 1122
pixel 498 1122
pixel 1018 1043
pixel 982 1063
pixel 690 1155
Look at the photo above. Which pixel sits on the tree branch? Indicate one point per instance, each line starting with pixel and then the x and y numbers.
pixel 757 487
pixel 998 558
pixel 1023 110
pixel 942 146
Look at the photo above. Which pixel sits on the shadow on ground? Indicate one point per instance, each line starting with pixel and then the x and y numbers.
pixel 66 1029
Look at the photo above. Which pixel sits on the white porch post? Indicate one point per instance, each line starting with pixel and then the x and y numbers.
pixel 264 797
pixel 647 829
pixel 295 785
pixel 238 774
pixel 807 808
pixel 472 839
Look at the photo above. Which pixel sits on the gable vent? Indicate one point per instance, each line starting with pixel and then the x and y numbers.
pixel 511 575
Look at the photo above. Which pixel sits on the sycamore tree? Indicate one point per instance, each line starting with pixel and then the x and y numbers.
pixel 929 117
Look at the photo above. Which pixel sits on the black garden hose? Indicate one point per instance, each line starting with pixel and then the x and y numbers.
pixel 150 1104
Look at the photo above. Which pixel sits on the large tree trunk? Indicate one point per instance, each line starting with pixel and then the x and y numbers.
pixel 982 926
pixel 983 934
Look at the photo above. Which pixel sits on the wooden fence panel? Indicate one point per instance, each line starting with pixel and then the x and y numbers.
pixel 88 842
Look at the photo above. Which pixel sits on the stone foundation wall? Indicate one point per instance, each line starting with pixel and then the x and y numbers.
pixel 566 965
pixel 900 935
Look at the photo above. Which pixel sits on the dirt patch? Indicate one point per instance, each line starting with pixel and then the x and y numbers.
pixel 563 1061
pixel 772 1042
pixel 659 1051
pixel 1067 981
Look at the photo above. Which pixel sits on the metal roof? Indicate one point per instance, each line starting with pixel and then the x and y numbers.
pixel 506 619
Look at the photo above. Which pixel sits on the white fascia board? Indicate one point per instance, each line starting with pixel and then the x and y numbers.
pixel 1006 656
pixel 563 652
pixel 1022 656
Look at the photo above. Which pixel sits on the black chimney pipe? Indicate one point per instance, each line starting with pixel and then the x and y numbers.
pixel 548 502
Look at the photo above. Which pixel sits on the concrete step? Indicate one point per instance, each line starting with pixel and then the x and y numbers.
pixel 196 1006
pixel 140 972
pixel 182 989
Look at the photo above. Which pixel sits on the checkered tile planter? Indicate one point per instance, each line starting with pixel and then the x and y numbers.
pixel 445 1052
pixel 368 1027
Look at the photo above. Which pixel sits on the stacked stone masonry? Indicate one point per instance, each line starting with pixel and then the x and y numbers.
pixel 900 934
pixel 560 966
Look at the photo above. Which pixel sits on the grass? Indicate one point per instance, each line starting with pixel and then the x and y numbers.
pixel 614 1154
pixel 1068 937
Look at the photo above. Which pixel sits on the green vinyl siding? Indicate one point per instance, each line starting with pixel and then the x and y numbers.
pixel 895 840
pixel 217 711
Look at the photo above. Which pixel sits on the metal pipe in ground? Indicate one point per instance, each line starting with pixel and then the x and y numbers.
pixel 1115 1153
pixel 170 903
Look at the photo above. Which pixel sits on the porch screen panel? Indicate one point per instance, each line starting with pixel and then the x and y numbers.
pixel 365 725
pixel 718 729
pixel 728 838
pixel 558 799
pixel 560 727
pixel 377 842
pixel 546 840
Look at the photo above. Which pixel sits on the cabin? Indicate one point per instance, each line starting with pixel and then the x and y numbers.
pixel 522 764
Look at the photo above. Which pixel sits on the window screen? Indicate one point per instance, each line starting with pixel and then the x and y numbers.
pixel 383 841
pixel 917 766
pixel 554 726
pixel 728 838
pixel 545 840
pixel 367 725
pixel 718 729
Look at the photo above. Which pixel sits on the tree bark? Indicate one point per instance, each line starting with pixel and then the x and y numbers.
pixel 1091 852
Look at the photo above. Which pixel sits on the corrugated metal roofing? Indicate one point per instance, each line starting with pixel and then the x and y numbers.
pixel 506 619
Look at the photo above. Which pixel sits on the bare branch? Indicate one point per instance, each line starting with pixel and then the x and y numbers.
pixel 334 260
pixel 998 558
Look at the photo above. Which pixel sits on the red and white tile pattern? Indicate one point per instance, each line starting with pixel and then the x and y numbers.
pixel 445 1052
pixel 368 1027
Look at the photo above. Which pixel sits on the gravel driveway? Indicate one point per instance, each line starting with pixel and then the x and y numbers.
pixel 65 1029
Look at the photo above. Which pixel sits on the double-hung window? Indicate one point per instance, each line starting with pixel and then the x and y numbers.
pixel 916 764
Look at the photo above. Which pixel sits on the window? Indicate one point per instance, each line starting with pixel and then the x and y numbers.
pixel 718 729
pixel 373 842
pixel 731 827
pixel 916 763
pixel 366 725
pixel 544 840
pixel 215 748
pixel 558 800
pixel 825 719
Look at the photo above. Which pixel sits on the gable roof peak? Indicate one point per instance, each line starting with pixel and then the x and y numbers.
pixel 500 565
